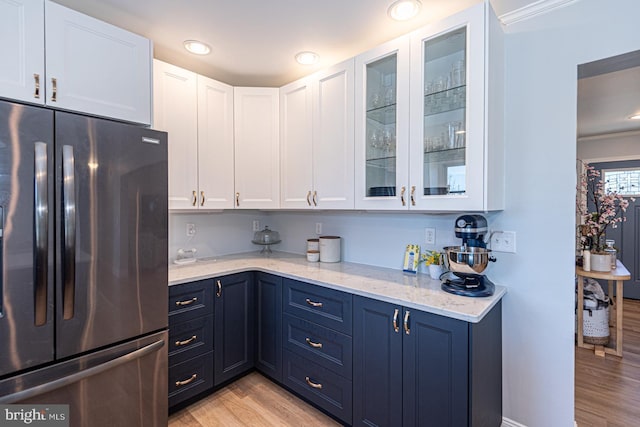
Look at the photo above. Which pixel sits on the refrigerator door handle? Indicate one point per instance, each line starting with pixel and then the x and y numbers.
pixel 69 232
pixel 81 375
pixel 41 216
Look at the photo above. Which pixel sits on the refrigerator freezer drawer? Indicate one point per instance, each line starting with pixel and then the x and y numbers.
pixel 125 385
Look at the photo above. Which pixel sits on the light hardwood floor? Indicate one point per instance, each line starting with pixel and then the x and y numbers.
pixel 252 400
pixel 608 389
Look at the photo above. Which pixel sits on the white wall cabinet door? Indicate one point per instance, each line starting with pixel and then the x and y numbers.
pixel 257 147
pixel 382 127
pixel 95 67
pixel 333 137
pixel 175 111
pixel 215 144
pixel 296 142
pixel 457 149
pixel 22 50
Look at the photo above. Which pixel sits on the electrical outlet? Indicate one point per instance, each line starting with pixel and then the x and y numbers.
pixel 256 225
pixel 503 241
pixel 430 236
pixel 318 228
pixel 191 229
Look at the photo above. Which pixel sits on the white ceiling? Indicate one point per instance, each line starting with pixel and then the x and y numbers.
pixel 253 41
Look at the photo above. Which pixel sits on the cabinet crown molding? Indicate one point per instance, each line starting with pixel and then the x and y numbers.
pixel 534 9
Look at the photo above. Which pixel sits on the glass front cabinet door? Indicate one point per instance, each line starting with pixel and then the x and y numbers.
pixel 456 159
pixel 382 127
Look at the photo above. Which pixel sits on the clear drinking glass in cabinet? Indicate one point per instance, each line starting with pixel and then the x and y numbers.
pixel 381 127
pixel 445 94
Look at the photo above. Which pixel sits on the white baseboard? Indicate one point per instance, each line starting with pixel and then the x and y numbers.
pixel 506 422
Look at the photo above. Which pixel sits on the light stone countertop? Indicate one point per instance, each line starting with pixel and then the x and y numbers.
pixel 413 291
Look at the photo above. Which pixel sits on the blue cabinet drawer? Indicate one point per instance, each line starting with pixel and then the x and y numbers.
pixel 190 378
pixel 324 346
pixel 322 387
pixel 190 339
pixel 190 300
pixel 326 307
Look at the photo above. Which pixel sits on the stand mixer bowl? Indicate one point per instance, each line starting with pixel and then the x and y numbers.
pixel 465 261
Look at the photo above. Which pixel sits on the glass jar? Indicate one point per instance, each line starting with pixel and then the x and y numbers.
pixel 611 250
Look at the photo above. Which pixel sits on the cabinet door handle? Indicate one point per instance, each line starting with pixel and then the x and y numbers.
pixel 309 195
pixel 402 191
pixel 407 330
pixel 396 328
pixel 313 344
pixel 36 92
pixel 312 384
pixel 315 198
pixel 313 304
pixel 186 302
pixel 54 89
pixel 194 199
pixel 187 381
pixel 413 193
pixel 238 199
pixel 219 288
pixel 187 341
pixel 202 198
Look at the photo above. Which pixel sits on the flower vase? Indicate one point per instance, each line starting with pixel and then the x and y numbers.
pixel 600 261
pixel 435 271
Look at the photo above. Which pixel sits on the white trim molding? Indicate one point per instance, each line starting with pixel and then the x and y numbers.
pixel 506 422
pixel 533 9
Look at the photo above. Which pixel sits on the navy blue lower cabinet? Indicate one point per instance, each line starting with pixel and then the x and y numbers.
pixel 377 363
pixel 269 325
pixel 234 325
pixel 413 368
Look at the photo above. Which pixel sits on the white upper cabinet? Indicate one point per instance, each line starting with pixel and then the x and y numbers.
pixel 382 127
pixel 91 66
pixel 316 120
pixel 215 144
pixel 457 78
pixel 257 152
pixel 22 50
pixel 176 112
pixel 197 112
pixel 96 68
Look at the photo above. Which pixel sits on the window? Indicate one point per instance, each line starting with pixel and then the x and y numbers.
pixel 625 182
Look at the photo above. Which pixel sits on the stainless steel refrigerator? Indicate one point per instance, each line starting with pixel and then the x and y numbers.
pixel 83 289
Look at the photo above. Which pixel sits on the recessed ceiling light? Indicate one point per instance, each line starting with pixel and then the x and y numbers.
pixel 401 10
pixel 307 58
pixel 194 46
pixel 635 117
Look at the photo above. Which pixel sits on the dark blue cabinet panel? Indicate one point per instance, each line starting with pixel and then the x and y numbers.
pixel 190 300
pixel 324 346
pixel 377 364
pixel 189 339
pixel 190 378
pixel 234 326
pixel 269 325
pixel 326 307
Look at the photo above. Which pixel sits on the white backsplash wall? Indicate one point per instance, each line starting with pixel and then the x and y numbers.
pixel 218 233
pixel 367 238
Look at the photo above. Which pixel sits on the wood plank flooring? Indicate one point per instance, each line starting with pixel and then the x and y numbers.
pixel 250 401
pixel 608 389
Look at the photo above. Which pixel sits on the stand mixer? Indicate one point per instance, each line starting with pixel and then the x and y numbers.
pixel 467 262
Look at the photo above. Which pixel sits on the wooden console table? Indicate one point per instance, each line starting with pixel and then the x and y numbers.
pixel 617 275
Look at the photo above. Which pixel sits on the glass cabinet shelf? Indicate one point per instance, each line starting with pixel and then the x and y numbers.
pixel 444 101
pixel 385 115
pixel 453 155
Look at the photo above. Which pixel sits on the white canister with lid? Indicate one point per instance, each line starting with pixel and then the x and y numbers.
pixel 330 248
pixel 313 244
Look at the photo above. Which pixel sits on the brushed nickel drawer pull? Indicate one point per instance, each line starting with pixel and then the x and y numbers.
pixel 194 199
pixel 187 381
pixel 396 328
pixel 202 198
pixel 313 304
pixel 54 93
pixel 187 341
pixel 309 195
pixel 313 344
pixel 407 330
pixel 186 302
pixel 219 290
pixel 315 198
pixel 402 191
pixel 238 199
pixel 312 384
pixel 36 93
pixel 413 193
